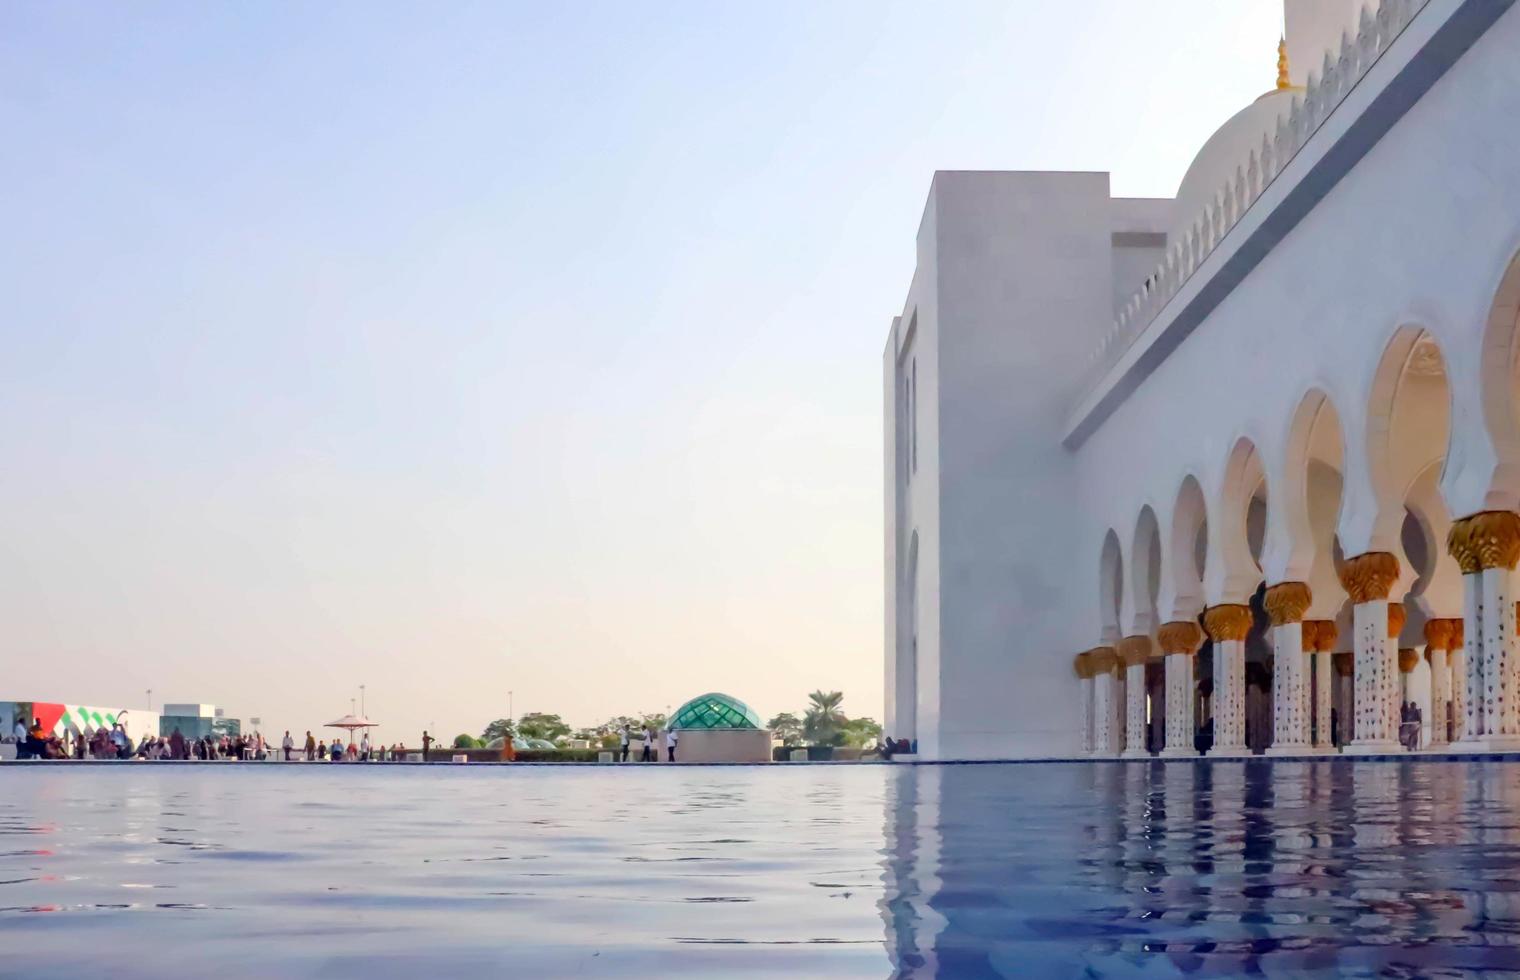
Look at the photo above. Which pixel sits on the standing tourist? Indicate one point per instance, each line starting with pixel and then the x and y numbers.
pixel 287 743
pixel 335 754
pixel 627 737
pixel 364 747
pixel 427 743
pixel 177 744
pixel 648 755
pixel 311 746
pixel 670 743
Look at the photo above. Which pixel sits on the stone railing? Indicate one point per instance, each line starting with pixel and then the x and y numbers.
pixel 1325 90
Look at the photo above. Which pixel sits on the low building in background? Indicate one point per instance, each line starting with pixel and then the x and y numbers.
pixel 717 728
pixel 198 721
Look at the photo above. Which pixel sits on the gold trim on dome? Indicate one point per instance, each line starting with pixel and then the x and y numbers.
pixel 1369 577
pixel 1397 617
pixel 1179 637
pixel 1489 539
pixel 1282 64
pixel 1102 660
pixel 1227 622
pixel 1286 602
pixel 1134 650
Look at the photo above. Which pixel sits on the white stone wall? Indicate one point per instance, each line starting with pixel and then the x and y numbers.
pixel 1418 234
pixel 1015 283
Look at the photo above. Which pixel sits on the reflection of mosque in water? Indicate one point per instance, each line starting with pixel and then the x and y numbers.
pixel 1283 867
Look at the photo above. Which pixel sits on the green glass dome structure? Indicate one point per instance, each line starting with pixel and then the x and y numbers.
pixel 714 711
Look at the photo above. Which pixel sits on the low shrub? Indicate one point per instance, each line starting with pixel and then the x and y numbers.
pixel 558 755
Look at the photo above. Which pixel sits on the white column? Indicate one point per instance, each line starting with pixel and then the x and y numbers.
pixel 1087 709
pixel 1179 705
pixel 1106 735
pixel 1286 603
pixel 1179 643
pixel 1368 579
pixel 1376 681
pixel 1134 651
pixel 1134 711
pixel 1346 711
pixel 1227 626
pixel 1472 662
pixel 1438 637
pixel 1290 729
pixel 1457 656
pixel 1486 547
pixel 1324 689
pixel 1501 721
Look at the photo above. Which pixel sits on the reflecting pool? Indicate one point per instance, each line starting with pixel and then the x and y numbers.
pixel 1366 868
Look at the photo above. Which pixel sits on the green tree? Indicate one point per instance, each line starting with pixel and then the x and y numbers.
pixel 465 742
pixel 536 724
pixel 500 728
pixel 787 727
pixel 655 721
pixel 861 733
pixel 823 722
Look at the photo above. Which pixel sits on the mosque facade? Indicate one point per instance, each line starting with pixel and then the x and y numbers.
pixel 1236 472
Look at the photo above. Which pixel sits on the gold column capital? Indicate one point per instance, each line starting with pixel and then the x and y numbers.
pixel 1438 633
pixel 1325 634
pixel 1102 659
pixel 1227 622
pixel 1397 617
pixel 1134 650
pixel 1286 602
pixel 1082 665
pixel 1407 659
pixel 1488 539
pixel 1179 637
pixel 1458 634
pixel 1369 577
pixel 1343 664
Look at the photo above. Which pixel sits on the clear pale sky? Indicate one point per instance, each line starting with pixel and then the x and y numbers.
pixel 454 349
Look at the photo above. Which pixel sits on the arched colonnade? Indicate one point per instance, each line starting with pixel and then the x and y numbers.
pixel 1233 621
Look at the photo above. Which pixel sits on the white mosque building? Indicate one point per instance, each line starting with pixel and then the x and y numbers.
pixel 1237 471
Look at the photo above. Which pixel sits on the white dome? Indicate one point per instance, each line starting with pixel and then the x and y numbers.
pixel 1230 147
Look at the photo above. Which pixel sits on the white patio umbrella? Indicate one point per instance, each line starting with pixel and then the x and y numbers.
pixel 350 722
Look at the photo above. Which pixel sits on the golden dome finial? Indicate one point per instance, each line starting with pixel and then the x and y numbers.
pixel 1282 64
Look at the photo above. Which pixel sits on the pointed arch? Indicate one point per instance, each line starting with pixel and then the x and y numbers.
pixel 1187 552
pixel 1145 572
pixel 1110 587
pixel 1238 529
pixel 1311 499
pixel 1408 426
pixel 1500 381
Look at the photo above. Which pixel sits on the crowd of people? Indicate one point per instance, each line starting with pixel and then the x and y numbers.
pixel 112 742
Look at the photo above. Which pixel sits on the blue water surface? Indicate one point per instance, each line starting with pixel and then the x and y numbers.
pixel 1096 869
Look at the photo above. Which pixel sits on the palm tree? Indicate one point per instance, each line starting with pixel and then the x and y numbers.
pixel 824 721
